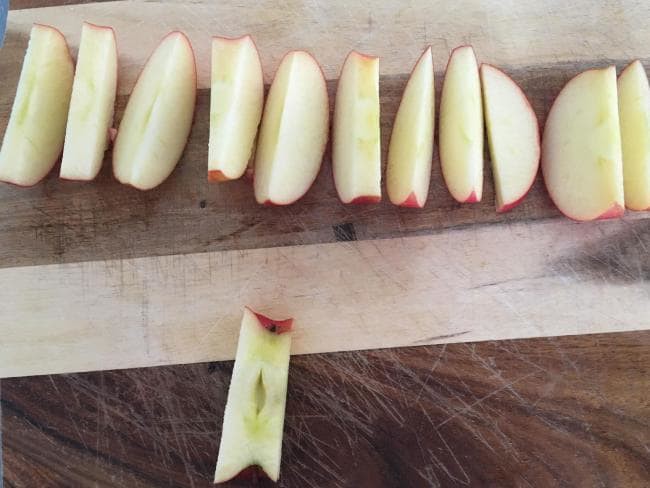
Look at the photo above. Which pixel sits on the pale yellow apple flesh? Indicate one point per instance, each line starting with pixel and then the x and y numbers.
pixel 634 114
pixel 158 116
pixel 254 416
pixel 356 152
pixel 410 151
pixel 91 105
pixel 461 127
pixel 293 132
pixel 581 148
pixel 34 137
pixel 236 102
pixel 513 137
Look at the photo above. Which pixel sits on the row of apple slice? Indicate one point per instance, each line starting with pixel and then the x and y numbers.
pixel 59 108
pixel 595 153
pixel 596 144
pixel 585 175
pixel 286 166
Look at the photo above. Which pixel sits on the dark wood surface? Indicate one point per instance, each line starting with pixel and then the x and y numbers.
pixel 570 412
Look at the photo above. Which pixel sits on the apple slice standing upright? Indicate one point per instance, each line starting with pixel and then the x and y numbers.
pixel 293 133
pixel 158 116
pixel 634 114
pixel 92 104
pixel 513 137
pixel 254 416
pixel 581 148
pixel 410 151
pixel 236 103
pixel 356 151
pixel 34 137
pixel 461 127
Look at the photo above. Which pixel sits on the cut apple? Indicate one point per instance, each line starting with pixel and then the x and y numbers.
pixel 254 416
pixel 92 104
pixel 236 102
pixel 461 127
pixel 634 114
pixel 34 137
pixel 513 137
pixel 293 133
pixel 158 116
pixel 356 151
pixel 581 148
pixel 410 151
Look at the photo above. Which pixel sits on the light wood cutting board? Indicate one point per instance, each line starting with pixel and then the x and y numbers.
pixel 100 276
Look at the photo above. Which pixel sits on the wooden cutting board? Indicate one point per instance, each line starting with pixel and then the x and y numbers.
pixel 101 276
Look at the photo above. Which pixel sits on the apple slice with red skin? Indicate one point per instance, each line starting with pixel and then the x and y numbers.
pixel 158 116
pixel 293 133
pixel 92 104
pixel 513 137
pixel 634 114
pixel 410 151
pixel 356 144
pixel 251 438
pixel 236 103
pixel 581 148
pixel 461 127
pixel 36 130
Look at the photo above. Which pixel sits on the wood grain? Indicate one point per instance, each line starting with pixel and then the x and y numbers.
pixel 565 412
pixel 478 283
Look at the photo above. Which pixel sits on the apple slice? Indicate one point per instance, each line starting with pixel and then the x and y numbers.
pixel 158 116
pixel 581 148
pixel 92 104
pixel 634 114
pixel 513 137
pixel 461 127
pixel 293 133
pixel 410 151
pixel 36 130
pixel 236 102
pixel 356 152
pixel 254 416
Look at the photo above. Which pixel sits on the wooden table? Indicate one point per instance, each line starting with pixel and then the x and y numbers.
pixel 562 411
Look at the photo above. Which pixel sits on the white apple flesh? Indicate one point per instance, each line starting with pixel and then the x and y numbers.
pixel 254 415
pixel 34 137
pixel 293 133
pixel 581 148
pixel 461 127
pixel 410 151
pixel 513 137
pixel 236 103
pixel 356 151
pixel 158 116
pixel 92 104
pixel 634 114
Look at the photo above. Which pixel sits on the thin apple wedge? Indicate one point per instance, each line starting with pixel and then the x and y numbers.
pixel 236 103
pixel 513 137
pixel 410 151
pixel 254 415
pixel 581 148
pixel 356 144
pixel 92 104
pixel 293 133
pixel 634 114
pixel 461 127
pixel 34 137
pixel 158 116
